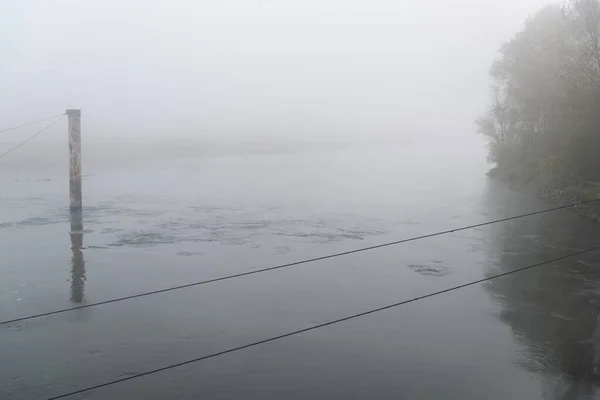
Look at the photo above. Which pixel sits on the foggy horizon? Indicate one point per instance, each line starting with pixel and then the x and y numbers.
pixel 256 69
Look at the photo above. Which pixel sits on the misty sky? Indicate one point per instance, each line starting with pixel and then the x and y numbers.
pixel 291 68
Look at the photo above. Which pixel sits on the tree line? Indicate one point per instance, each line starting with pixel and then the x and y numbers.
pixel 543 123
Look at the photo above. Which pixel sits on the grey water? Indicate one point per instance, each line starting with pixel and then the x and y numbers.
pixel 170 219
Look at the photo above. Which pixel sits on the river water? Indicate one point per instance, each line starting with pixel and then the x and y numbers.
pixel 151 223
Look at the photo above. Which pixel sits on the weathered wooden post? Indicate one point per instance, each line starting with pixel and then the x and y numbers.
pixel 75 159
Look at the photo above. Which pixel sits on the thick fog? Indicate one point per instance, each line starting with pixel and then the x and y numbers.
pixel 339 69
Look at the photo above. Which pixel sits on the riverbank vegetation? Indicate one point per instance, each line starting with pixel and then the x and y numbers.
pixel 543 123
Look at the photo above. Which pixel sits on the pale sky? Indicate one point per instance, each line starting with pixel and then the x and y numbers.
pixel 290 68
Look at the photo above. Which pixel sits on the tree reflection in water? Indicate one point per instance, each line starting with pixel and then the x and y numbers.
pixel 552 309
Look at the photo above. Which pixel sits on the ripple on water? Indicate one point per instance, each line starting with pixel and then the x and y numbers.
pixel 189 253
pixel 430 270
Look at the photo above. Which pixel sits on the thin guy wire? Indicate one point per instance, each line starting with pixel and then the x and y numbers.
pixel 336 321
pixel 31 137
pixel 30 123
pixel 257 271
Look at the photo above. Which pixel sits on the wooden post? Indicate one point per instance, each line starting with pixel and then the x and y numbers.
pixel 75 159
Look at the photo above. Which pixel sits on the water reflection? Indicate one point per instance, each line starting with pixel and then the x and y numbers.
pixel 552 310
pixel 77 261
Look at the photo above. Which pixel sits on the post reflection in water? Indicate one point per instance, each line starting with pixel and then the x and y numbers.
pixel 77 261
pixel 553 309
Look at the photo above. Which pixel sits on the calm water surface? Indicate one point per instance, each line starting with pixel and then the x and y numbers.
pixel 153 223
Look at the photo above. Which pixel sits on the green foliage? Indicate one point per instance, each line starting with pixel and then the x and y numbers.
pixel 544 118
